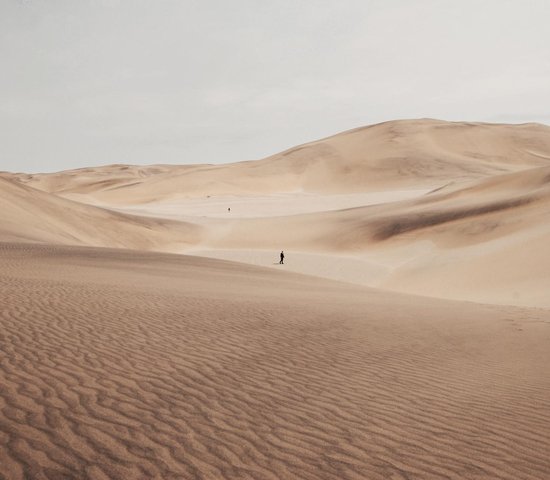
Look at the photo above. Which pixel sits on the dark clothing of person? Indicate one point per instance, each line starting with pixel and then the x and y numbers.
pixel 282 258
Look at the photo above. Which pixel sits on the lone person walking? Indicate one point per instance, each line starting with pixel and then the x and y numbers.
pixel 282 258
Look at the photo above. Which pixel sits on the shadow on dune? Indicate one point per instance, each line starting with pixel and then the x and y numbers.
pixel 391 227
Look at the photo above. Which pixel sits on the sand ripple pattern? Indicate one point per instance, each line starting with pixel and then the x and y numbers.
pixel 125 365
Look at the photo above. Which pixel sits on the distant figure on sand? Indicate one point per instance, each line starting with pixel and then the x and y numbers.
pixel 282 258
pixel 229 210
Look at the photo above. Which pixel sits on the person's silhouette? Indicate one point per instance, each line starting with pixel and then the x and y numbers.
pixel 282 258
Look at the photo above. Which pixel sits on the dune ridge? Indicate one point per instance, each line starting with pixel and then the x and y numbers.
pixel 394 154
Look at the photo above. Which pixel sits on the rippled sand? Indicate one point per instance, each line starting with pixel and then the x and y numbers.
pixel 131 365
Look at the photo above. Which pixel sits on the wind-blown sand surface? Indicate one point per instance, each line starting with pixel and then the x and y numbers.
pixel 135 363
pixel 119 364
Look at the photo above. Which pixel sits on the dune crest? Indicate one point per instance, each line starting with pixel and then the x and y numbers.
pixel 390 155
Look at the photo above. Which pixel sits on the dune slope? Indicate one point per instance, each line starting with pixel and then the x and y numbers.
pixel 117 364
pixel 30 215
pixel 394 154
pixel 482 240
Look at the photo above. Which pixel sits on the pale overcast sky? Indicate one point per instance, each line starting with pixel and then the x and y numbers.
pixel 90 82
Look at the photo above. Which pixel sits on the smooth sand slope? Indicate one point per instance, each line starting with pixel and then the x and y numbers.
pixel 484 241
pixel 130 365
pixel 30 215
pixel 392 155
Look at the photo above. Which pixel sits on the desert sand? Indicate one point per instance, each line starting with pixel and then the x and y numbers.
pixel 149 332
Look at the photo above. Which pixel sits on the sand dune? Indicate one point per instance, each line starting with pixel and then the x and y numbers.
pixel 483 241
pixel 453 210
pixel 396 155
pixel 120 364
pixel 134 364
pixel 31 215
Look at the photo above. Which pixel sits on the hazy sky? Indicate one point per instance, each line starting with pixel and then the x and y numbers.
pixel 89 82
